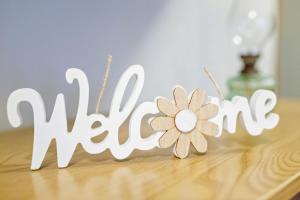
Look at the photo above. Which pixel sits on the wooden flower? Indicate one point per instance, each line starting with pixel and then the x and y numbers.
pixel 185 121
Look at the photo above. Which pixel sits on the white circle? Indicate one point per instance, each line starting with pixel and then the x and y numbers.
pixel 185 120
pixel 252 14
pixel 237 40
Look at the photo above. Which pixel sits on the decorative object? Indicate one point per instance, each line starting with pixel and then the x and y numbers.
pixel 185 121
pixel 251 25
pixel 191 118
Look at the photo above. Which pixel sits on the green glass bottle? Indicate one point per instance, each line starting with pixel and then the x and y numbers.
pixel 249 79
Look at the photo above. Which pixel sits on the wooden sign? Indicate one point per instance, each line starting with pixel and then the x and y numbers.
pixel 183 121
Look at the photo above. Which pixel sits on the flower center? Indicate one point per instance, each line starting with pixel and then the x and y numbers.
pixel 185 120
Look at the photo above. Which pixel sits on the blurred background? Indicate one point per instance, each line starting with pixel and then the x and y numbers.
pixel 246 44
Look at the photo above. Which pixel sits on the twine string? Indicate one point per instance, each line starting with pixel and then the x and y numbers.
pixel 217 86
pixel 104 83
pixel 106 75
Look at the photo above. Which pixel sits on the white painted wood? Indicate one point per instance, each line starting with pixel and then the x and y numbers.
pixel 82 132
pixel 185 120
pixel 254 116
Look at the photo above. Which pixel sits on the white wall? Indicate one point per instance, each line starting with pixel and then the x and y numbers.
pixel 173 40
pixel 289 48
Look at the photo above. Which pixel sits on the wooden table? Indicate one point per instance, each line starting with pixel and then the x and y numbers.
pixel 235 167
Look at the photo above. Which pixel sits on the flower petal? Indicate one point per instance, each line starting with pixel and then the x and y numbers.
pixel 207 128
pixel 181 98
pixel 198 141
pixel 169 138
pixel 167 107
pixel 207 111
pixel 183 145
pixel 162 123
pixel 197 99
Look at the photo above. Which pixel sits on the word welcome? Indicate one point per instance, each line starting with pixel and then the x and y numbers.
pixel 253 117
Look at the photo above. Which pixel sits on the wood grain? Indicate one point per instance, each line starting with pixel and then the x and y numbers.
pixel 235 166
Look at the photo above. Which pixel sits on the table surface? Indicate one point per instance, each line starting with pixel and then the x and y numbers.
pixel 236 166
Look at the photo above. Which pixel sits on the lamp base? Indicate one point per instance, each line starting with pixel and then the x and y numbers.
pixel 249 79
pixel 246 84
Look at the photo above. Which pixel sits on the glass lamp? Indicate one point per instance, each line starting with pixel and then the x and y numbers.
pixel 251 24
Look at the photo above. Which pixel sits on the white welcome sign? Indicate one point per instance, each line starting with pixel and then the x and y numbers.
pixel 255 117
